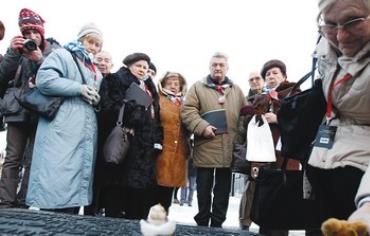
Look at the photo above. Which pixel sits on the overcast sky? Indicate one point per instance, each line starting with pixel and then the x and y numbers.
pixel 181 35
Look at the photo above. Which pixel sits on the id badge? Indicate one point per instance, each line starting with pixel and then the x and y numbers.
pixel 325 136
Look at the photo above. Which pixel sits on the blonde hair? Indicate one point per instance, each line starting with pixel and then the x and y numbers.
pixel 93 36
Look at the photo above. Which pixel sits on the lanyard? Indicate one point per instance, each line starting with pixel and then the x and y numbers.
pixel 92 68
pixel 329 106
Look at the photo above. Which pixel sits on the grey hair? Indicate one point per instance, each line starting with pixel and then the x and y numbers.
pixel 220 55
pixel 324 4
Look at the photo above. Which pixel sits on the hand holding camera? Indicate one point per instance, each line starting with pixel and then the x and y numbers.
pixel 90 94
pixel 27 47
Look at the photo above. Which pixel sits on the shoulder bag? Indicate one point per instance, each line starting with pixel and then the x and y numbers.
pixel 117 144
pixel 239 163
pixel 299 118
pixel 9 103
pixel 44 105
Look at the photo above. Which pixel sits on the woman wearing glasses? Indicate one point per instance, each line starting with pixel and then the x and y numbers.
pixel 341 153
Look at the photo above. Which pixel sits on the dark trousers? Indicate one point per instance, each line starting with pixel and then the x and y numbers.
pixel 335 189
pixel 113 200
pixel 164 196
pixel 218 180
pixel 139 202
pixel 19 135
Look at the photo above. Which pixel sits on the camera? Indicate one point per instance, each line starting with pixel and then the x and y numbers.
pixel 30 45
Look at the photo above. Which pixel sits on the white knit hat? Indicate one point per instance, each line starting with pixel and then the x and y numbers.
pixel 89 28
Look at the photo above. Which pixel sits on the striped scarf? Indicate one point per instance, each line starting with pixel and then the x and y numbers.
pixel 79 50
pixel 177 99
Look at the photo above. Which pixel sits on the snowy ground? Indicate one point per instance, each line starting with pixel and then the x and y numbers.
pixel 184 215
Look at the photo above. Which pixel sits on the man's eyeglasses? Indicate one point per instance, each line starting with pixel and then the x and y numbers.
pixel 331 28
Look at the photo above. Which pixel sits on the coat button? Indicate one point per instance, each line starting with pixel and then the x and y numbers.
pixel 175 141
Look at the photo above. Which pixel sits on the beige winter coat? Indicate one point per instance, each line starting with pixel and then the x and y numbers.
pixel 216 151
pixel 351 100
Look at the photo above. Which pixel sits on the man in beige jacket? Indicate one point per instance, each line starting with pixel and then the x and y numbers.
pixel 215 95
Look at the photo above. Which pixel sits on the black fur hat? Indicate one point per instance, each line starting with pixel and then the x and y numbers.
pixel 135 57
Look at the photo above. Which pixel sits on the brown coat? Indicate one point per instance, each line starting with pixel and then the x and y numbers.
pixel 212 152
pixel 171 164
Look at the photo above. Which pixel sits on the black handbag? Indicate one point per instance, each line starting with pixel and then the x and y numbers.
pixel 9 104
pixel 278 201
pixel 117 144
pixel 299 119
pixel 239 163
pixel 43 105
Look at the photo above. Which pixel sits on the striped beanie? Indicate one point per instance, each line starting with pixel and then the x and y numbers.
pixel 28 19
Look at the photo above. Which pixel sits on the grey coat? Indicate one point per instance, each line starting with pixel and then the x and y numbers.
pixel 65 148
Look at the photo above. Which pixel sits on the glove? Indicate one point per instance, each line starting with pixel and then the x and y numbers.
pixel 90 94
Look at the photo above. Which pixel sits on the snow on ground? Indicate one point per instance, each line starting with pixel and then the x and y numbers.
pixel 184 215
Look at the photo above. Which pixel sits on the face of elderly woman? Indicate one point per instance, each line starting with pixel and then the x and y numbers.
pixel 172 84
pixel 92 43
pixel 346 24
pixel 139 69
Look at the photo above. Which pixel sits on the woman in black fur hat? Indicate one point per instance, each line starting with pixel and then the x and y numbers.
pixel 136 175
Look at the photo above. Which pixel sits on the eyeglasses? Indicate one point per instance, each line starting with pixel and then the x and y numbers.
pixel 254 78
pixel 332 28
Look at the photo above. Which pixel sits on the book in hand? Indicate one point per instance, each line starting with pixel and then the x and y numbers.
pixel 216 118
pixel 134 92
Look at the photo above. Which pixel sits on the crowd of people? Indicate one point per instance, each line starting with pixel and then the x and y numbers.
pixel 57 164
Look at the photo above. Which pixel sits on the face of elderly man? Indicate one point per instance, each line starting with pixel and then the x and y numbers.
pixel 104 62
pixel 346 24
pixel 255 81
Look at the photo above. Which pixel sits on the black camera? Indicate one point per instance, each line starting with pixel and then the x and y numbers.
pixel 30 45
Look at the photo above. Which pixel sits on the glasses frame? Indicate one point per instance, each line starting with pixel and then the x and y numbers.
pixel 330 28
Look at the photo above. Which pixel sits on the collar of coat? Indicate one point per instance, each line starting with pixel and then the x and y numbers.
pixel 208 81
pixel 124 77
pixel 353 65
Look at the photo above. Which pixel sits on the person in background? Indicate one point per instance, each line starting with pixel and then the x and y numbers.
pixel 256 86
pixel 212 153
pixel 152 71
pixel 187 192
pixel 22 124
pixel 62 169
pixel 103 61
pixel 135 178
pixel 171 163
pixel 344 66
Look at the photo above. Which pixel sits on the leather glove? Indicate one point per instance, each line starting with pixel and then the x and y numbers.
pixel 90 94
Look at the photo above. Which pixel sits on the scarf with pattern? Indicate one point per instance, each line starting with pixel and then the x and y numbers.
pixel 226 83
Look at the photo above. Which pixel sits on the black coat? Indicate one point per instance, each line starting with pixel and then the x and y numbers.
pixel 138 169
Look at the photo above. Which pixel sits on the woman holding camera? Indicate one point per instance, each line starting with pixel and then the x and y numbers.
pixel 18 70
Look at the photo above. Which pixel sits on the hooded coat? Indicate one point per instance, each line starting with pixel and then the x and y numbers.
pixel 171 164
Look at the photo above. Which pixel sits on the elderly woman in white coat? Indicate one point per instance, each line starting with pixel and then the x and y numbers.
pixel 339 160
pixel 65 147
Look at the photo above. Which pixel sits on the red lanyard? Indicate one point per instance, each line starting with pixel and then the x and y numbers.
pixel 92 68
pixel 329 106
